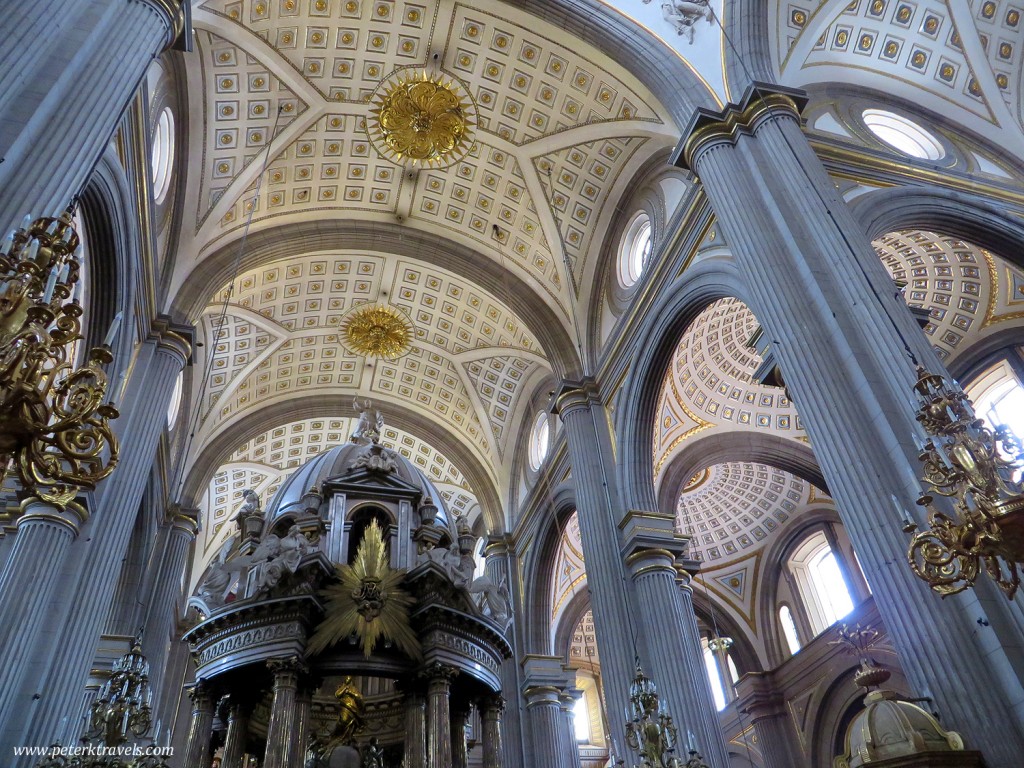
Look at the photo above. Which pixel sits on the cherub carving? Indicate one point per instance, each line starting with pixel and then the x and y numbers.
pixel 685 14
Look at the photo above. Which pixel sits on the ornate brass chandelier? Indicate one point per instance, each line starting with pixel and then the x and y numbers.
pixel 54 427
pixel 650 731
pixel 121 711
pixel 377 330
pixel 979 470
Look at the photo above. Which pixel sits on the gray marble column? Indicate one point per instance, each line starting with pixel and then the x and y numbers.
pixel 27 585
pixel 197 750
pixel 675 660
pixel 281 747
pixel 599 513
pixel 546 727
pixel 439 718
pixel 460 718
pixel 304 723
pixel 62 100
pixel 766 710
pixel 142 422
pixel 490 716
pixel 238 730
pixel 841 335
pixel 415 730
pixel 567 702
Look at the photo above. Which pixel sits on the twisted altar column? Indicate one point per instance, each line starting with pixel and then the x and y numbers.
pixel 238 728
pixel 415 729
pixel 490 717
pixel 61 101
pixel 841 334
pixel 439 717
pixel 27 585
pixel 282 750
pixel 197 750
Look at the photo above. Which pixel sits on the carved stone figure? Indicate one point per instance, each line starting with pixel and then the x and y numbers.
pixel 376 458
pixel 222 574
pixel 685 14
pixel 367 430
pixel 457 566
pixel 277 556
pixel 492 599
pixel 249 517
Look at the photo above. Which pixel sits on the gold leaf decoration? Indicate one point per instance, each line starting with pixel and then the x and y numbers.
pixel 378 330
pixel 421 118
pixel 367 601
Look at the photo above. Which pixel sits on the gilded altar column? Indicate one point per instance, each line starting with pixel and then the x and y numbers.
pixel 415 728
pixel 675 659
pixel 62 100
pixel 27 585
pixel 200 731
pixel 282 750
pixel 490 717
pixel 460 719
pixel 766 710
pixel 86 602
pixel 589 439
pixel 238 729
pixel 439 718
pixel 842 336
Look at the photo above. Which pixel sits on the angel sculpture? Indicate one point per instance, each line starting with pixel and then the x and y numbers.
pixel 492 599
pixel 367 602
pixel 367 431
pixel 685 14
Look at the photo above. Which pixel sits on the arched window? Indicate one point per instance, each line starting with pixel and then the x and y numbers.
pixel 722 674
pixel 581 720
pixel 998 392
pixel 789 629
pixel 819 580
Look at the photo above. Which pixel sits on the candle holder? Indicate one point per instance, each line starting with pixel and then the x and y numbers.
pixel 54 426
pixel 979 470
pixel 650 731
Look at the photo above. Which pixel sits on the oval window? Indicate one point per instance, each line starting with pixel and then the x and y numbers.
pixel 902 134
pixel 635 251
pixel 163 154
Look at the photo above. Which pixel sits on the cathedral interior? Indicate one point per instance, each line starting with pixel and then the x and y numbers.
pixel 512 383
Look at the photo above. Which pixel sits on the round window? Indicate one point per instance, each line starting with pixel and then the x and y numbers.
pixel 635 250
pixel 902 134
pixel 175 405
pixel 163 154
pixel 540 440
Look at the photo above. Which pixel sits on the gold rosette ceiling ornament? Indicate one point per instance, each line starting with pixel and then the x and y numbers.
pixel 422 118
pixel 377 330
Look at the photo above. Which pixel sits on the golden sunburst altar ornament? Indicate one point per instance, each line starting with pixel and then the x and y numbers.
pixel 377 330
pixel 368 602
pixel 421 118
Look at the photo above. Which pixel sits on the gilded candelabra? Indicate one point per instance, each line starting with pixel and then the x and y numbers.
pixel 54 426
pixel 650 731
pixel 121 711
pixel 979 469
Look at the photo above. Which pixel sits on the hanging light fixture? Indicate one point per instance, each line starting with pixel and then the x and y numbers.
pixel 979 469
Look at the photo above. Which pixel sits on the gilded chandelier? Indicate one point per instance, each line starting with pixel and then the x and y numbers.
pixel 54 427
pixel 979 470
pixel 377 330
pixel 650 731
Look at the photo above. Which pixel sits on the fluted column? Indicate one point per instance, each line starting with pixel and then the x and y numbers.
pixel 304 722
pixel 439 718
pixel 675 659
pixel 58 681
pixel 238 730
pixel 599 512
pixel 197 750
pixel 773 727
pixel 545 725
pixel 460 718
pixel 567 702
pixel 61 101
pixel 490 717
pixel 415 729
pixel 27 585
pixel 842 335
pixel 281 747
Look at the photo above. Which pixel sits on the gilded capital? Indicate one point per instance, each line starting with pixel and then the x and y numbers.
pixel 72 516
pixel 178 19
pixel 760 103
pixel 175 339
pixel 572 395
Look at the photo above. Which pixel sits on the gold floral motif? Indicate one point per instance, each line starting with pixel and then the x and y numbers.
pixel 378 331
pixel 422 119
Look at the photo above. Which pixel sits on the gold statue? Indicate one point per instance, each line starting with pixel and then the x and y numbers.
pixel 350 714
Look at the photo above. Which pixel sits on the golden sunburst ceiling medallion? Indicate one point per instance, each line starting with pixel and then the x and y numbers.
pixel 377 330
pixel 422 118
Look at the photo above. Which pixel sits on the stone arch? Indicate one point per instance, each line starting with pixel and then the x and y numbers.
pixel 217 450
pixel 670 315
pixel 282 242
pixel 574 612
pixel 708 612
pixel 748 55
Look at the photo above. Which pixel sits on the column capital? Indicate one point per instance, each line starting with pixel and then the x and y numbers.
pixel 491 704
pixel 651 532
pixel 708 127
pixel 575 394
pixel 179 20
pixel 756 696
pixel 184 520
pixel 175 339
pixel 542 695
pixel 35 510
pixel 286 671
pixel 496 546
pixel 201 694
pixel 437 672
